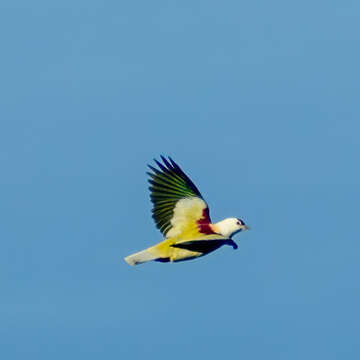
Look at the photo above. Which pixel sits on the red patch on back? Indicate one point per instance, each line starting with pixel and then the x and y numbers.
pixel 204 223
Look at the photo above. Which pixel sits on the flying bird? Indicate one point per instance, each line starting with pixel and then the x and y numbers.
pixel 182 215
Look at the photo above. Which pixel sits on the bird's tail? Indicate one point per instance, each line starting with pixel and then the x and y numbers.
pixel 140 257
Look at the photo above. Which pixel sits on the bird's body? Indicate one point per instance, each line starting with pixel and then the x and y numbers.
pixel 182 215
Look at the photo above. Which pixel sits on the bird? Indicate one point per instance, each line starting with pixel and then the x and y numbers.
pixel 182 216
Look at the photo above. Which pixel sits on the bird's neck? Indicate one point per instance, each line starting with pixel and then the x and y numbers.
pixel 222 228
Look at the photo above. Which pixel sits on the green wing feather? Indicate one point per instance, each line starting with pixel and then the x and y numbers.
pixel 168 185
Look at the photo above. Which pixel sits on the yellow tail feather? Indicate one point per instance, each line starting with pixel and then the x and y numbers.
pixel 140 257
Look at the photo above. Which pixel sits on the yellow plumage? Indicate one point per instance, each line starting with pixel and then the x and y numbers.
pixel 168 249
pixel 184 228
pixel 182 215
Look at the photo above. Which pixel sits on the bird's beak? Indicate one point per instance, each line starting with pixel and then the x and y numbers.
pixel 246 227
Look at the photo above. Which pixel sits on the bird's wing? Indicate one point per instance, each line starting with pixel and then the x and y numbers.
pixel 205 245
pixel 179 209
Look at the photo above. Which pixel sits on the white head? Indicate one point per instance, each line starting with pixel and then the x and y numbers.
pixel 230 227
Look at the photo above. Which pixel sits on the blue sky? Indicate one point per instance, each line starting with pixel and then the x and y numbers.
pixel 257 101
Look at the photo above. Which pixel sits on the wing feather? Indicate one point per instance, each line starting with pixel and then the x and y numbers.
pixel 179 207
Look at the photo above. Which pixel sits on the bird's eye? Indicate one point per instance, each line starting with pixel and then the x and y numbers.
pixel 238 223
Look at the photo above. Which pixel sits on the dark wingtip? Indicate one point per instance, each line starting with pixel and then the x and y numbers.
pixel 156 171
pixel 166 162
pixel 173 163
pixel 160 165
